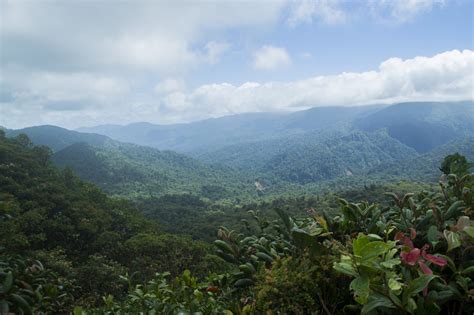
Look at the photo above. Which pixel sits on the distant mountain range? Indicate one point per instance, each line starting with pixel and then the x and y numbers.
pixel 250 154
pixel 422 126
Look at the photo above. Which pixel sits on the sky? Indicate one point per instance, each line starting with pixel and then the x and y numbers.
pixel 90 62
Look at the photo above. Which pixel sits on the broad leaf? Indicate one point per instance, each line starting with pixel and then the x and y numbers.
pixel 417 285
pixel 453 239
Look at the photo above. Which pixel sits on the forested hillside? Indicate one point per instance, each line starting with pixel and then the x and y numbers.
pixel 132 171
pixel 84 239
pixel 311 162
pixel 423 167
pixel 314 157
pixel 57 138
pixel 66 246
pixel 423 126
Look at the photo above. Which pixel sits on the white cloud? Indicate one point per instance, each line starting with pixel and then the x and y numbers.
pixel 326 11
pixel 400 11
pixel 448 76
pixel 339 11
pixel 161 36
pixel 271 58
pixel 169 86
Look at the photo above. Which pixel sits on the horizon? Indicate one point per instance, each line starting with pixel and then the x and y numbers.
pixel 83 129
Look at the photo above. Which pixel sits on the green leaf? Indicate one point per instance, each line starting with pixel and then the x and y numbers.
pixel 468 270
pixel 21 302
pixel 463 222
pixel 285 218
pixel 303 240
pixel 374 249
pixel 360 286
pixel 452 210
pixel 417 285
pixel 374 237
pixel 390 263
pixel 376 301
pixel 248 268
pixel 433 234
pixel 469 231
pixel 359 243
pixel 242 283
pixel 394 285
pixel 224 246
pixel 411 305
pixel 453 239
pixel 264 257
pixel 78 311
pixel 345 266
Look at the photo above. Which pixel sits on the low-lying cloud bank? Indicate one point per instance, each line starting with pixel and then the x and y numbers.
pixel 447 76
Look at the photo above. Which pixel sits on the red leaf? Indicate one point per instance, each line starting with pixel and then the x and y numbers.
pixel 407 241
pixel 212 289
pixel 426 270
pixel 411 257
pixel 439 261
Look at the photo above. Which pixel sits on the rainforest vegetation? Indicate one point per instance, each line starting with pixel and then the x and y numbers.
pixel 66 246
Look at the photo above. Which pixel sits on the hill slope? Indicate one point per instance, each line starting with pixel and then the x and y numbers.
pixel 425 166
pixel 57 138
pixel 423 126
pixel 131 170
pixel 313 157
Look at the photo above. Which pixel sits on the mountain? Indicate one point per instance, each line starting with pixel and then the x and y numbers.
pixel 425 167
pixel 422 126
pixel 212 134
pixel 313 157
pixel 131 170
pixel 134 171
pixel 246 155
pixel 57 138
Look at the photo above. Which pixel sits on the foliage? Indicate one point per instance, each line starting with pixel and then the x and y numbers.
pixel 411 254
pixel 78 232
pixel 182 295
pixel 26 287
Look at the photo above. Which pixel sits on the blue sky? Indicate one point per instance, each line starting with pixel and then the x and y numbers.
pixel 83 63
pixel 356 45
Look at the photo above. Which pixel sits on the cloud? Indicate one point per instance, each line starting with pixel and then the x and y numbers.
pixel 165 37
pixel 271 58
pixel 93 62
pixel 448 76
pixel 214 50
pixel 326 11
pixel 400 11
pixel 169 86
pixel 334 12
